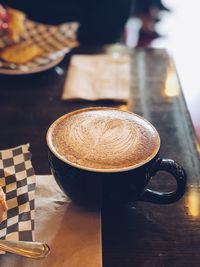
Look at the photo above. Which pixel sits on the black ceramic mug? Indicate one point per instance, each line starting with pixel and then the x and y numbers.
pixel 105 155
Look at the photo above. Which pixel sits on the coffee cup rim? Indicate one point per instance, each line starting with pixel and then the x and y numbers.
pixel 123 169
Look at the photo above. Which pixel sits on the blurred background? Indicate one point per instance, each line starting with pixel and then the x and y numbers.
pixel 174 27
pixel 137 23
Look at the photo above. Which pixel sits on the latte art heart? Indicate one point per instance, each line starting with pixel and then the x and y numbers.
pixel 103 139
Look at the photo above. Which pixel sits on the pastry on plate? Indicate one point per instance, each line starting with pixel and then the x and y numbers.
pixel 11 23
pixel 20 53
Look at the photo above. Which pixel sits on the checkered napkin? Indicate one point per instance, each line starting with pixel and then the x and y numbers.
pixel 55 42
pixel 17 180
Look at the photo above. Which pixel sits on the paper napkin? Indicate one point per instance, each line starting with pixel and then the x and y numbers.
pixel 73 234
pixel 17 180
pixel 97 77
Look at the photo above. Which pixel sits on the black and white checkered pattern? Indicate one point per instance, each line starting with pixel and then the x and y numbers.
pixel 17 180
pixel 55 42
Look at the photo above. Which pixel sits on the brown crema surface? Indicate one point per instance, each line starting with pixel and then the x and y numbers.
pixel 103 138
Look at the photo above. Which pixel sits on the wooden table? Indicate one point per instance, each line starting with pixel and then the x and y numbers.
pixel 140 234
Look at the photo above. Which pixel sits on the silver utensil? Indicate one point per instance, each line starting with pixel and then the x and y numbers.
pixel 35 250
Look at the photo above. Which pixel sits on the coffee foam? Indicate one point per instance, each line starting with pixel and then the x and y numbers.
pixel 103 139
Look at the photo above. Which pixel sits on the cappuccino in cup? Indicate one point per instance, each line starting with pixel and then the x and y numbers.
pixel 100 153
pixel 103 139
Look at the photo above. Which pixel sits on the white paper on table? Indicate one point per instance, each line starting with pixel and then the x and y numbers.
pixel 98 77
pixel 73 234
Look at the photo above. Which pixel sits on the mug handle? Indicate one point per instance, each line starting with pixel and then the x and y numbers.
pixel 177 172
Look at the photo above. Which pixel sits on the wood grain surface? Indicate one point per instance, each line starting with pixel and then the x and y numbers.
pixel 141 234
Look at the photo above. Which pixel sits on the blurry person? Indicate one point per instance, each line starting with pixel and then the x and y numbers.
pixel 148 11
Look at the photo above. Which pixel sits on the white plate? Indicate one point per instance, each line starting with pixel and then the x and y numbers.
pixel 55 41
pixel 32 70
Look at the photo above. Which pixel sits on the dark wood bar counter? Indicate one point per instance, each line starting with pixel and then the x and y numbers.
pixel 141 234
